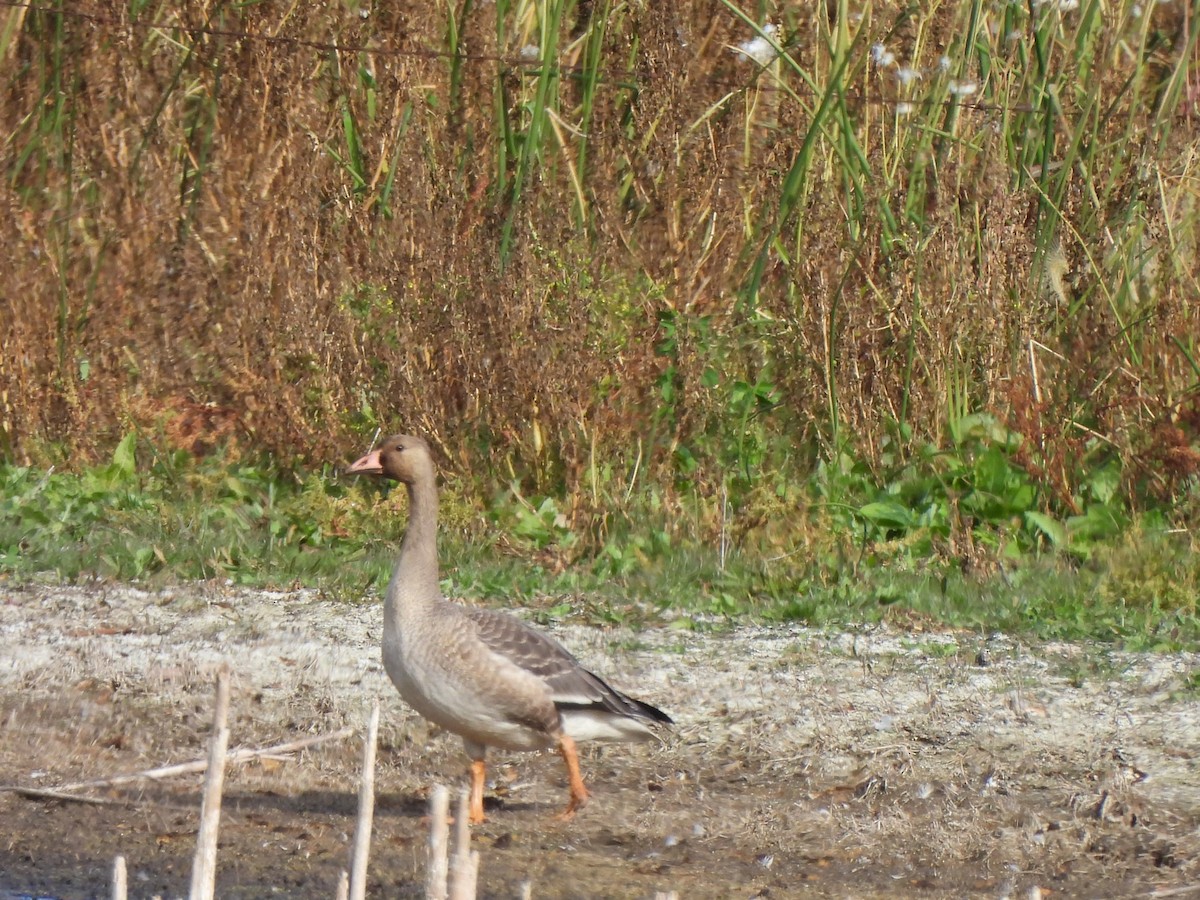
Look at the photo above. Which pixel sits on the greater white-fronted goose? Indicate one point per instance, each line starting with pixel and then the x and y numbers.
pixel 481 674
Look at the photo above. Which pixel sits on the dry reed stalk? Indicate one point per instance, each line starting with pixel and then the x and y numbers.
pixel 204 863
pixel 437 865
pixel 44 794
pixel 464 863
pixel 241 755
pixel 366 810
pixel 1033 373
pixel 120 881
pixel 343 888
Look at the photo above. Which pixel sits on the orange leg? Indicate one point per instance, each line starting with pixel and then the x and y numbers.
pixel 579 794
pixel 478 773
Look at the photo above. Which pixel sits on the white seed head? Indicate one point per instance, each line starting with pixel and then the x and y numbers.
pixel 756 50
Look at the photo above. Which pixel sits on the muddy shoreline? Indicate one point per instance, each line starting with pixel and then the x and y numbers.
pixel 806 762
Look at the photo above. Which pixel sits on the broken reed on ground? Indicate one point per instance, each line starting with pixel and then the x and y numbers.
pixel 450 876
pixel 602 253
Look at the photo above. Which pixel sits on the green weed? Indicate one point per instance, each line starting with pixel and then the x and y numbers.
pixel 158 517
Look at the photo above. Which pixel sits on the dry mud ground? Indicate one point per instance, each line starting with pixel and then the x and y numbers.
pixel 884 762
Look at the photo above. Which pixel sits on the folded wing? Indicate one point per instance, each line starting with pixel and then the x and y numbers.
pixel 590 708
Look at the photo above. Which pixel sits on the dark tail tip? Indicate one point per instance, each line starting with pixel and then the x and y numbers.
pixel 653 712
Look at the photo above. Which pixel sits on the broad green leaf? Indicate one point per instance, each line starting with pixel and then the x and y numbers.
pixel 1105 481
pixel 1050 527
pixel 123 457
pixel 888 514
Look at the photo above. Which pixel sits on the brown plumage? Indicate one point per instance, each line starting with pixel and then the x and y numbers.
pixel 482 674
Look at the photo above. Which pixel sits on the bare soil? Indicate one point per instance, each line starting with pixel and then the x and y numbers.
pixel 886 761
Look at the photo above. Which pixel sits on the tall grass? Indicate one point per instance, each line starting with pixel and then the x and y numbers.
pixel 533 108
pixel 601 252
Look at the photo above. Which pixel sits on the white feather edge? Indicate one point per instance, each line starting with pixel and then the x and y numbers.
pixel 600 725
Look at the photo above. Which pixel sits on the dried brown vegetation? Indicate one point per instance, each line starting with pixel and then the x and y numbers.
pixel 219 223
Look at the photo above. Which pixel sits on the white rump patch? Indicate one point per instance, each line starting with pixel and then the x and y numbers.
pixel 597 725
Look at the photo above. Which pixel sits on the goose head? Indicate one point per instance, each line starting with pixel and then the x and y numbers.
pixel 401 457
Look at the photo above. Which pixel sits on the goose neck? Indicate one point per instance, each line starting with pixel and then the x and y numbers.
pixel 415 581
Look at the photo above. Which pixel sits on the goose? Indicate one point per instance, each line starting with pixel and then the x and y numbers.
pixel 480 673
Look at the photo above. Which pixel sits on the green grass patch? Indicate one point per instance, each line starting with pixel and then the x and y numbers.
pixel 155 517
